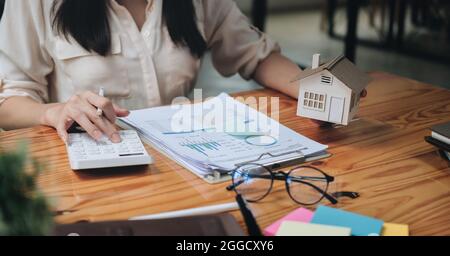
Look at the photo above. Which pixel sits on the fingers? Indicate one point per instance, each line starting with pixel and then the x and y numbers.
pixel 81 109
pixel 121 112
pixel 103 103
pixel 62 126
pixel 104 124
pixel 110 110
pixel 62 132
pixel 82 119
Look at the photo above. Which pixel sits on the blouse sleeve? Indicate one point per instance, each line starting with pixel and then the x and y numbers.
pixel 24 61
pixel 236 46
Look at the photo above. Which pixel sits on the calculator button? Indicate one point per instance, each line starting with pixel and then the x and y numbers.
pixel 137 148
pixel 123 152
pixel 80 155
pixel 86 153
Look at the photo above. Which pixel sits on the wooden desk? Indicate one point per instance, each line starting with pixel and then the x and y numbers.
pixel 383 156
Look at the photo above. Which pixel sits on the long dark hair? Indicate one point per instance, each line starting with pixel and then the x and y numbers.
pixel 87 22
pixel 2 6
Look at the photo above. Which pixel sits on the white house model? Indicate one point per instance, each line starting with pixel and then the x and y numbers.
pixel 331 92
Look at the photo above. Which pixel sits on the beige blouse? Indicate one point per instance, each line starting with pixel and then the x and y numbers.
pixel 145 68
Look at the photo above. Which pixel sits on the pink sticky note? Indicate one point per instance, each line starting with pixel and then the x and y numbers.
pixel 301 215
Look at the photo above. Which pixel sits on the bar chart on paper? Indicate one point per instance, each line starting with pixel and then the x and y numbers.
pixel 202 146
pixel 211 144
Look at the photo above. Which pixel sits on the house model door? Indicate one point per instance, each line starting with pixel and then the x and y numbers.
pixel 336 110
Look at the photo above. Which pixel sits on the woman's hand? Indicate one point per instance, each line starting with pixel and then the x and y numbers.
pixel 82 108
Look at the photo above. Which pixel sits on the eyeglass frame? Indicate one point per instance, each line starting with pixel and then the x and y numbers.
pixel 276 175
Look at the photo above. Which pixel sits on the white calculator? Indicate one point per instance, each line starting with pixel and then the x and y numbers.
pixel 87 153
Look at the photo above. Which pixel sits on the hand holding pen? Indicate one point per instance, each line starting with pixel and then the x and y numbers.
pixel 92 112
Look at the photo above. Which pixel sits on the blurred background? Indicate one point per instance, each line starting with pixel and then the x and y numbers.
pixel 410 38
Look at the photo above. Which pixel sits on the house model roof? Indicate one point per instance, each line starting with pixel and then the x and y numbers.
pixel 344 70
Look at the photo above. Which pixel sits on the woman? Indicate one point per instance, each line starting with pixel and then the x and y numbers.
pixel 59 53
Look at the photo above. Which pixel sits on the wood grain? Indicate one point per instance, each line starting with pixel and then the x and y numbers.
pixel 382 155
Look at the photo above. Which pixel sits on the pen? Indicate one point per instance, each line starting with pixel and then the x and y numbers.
pixel 250 221
pixel 101 93
pixel 212 209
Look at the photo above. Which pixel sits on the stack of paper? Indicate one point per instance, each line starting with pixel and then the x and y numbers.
pixel 217 135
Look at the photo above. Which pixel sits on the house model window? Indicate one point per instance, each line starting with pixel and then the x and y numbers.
pixel 330 92
pixel 314 101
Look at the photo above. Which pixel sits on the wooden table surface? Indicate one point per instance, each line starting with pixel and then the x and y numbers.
pixel 383 156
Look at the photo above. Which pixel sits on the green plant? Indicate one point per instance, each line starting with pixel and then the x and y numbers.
pixel 23 209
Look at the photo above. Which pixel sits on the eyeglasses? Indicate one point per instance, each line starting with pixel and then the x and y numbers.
pixel 305 185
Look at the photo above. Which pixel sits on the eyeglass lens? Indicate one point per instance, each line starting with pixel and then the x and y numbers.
pixel 253 182
pixel 305 185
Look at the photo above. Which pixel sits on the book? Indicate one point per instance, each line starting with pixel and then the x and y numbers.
pixel 440 138
pixel 439 144
pixel 441 132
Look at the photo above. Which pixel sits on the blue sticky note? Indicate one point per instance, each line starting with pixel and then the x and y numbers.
pixel 359 224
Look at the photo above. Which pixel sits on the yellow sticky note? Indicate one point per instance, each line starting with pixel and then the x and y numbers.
pixel 390 229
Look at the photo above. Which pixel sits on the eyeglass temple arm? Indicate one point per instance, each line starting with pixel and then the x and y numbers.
pixel 278 177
